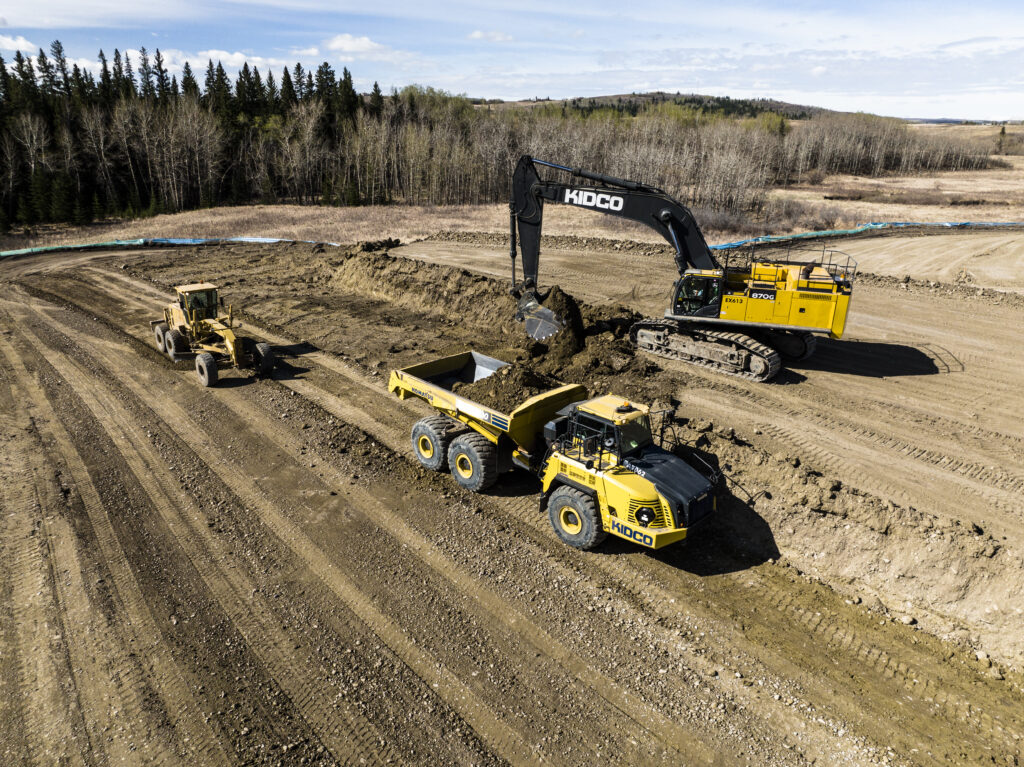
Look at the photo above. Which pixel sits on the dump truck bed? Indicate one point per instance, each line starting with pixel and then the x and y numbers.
pixel 432 381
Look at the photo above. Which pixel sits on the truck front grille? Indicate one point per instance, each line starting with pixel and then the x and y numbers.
pixel 661 516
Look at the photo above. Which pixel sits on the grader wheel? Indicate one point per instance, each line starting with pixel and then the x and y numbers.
pixel 206 369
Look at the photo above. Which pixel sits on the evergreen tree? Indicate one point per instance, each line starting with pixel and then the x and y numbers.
pixel 273 95
pixel 288 95
pixel 348 96
pixel 27 86
pixel 47 76
pixel 189 86
pixel 117 75
pixel 299 81
pixel 163 84
pixel 210 84
pixel 60 62
pixel 376 105
pixel 106 93
pixel 325 87
pixel 146 86
pixel 130 89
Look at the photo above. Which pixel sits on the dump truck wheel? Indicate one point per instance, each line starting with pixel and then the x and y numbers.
pixel 174 344
pixel 263 356
pixel 206 369
pixel 473 462
pixel 574 516
pixel 160 332
pixel 431 438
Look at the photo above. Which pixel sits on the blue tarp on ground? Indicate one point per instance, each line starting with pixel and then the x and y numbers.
pixel 153 241
pixel 768 238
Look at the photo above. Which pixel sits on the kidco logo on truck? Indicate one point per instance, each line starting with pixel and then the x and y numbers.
pixel 593 199
pixel 629 532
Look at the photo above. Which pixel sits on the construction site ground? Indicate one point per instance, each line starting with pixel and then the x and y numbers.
pixel 259 573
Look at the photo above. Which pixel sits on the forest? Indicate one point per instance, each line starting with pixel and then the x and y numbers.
pixel 131 139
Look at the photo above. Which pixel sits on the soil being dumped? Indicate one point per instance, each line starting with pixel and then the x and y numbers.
pixel 506 389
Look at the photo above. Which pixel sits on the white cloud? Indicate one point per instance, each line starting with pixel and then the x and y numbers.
pixel 819 71
pixel 348 47
pixel 18 43
pixel 235 59
pixel 311 51
pixel 66 14
pixel 494 37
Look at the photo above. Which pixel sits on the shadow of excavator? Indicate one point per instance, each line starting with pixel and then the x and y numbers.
pixel 879 359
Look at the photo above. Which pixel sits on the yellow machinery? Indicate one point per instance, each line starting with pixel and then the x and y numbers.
pixel 192 325
pixel 600 470
pixel 737 320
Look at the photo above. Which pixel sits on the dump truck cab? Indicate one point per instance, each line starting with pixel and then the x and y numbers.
pixel 605 449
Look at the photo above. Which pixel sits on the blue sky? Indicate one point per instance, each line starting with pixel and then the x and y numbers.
pixel 909 59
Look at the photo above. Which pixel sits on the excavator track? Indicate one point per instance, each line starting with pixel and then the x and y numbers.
pixel 736 354
pixel 793 345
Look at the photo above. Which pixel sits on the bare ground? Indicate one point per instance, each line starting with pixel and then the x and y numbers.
pixel 259 574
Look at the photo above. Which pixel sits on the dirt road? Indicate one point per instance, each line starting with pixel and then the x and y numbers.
pixel 259 574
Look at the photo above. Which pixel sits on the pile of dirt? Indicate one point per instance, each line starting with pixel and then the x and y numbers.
pixel 506 389
pixel 569 340
pixel 457 294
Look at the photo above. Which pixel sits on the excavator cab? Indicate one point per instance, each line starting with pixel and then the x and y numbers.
pixel 698 295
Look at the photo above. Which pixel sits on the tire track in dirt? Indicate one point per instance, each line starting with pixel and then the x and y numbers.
pixel 192 723
pixel 135 629
pixel 819 627
pixel 345 733
pixel 53 728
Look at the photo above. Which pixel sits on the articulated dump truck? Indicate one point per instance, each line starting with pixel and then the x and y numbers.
pixel 600 469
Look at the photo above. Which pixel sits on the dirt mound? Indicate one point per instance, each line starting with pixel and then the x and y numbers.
pixel 457 294
pixel 507 388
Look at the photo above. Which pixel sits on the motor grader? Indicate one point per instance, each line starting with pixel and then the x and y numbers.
pixel 600 470
pixel 195 325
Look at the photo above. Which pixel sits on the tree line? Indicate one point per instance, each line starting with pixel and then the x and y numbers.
pixel 134 140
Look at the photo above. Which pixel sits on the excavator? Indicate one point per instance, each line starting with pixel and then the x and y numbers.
pixel 741 321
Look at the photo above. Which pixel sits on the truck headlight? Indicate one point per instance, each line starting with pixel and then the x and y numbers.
pixel 645 515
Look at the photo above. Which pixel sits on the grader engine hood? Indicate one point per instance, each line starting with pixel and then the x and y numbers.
pixel 689 491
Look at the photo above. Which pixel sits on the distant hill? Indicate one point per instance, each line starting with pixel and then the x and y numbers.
pixel 635 102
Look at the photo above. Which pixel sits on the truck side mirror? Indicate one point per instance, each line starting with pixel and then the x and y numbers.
pixel 221 300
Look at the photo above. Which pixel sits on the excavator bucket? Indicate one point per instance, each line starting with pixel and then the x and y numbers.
pixel 541 323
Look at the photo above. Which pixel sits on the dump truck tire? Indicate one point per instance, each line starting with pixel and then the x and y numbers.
pixel 206 369
pixel 473 462
pixel 160 332
pixel 573 515
pixel 175 344
pixel 263 357
pixel 431 438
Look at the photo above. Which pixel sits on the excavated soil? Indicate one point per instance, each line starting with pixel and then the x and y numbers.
pixel 506 389
pixel 260 574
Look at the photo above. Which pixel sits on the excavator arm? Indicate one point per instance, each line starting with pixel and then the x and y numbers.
pixel 638 202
